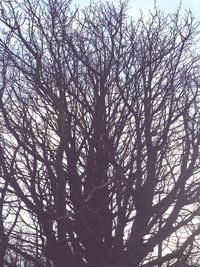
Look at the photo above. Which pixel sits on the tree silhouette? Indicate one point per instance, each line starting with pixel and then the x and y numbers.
pixel 100 136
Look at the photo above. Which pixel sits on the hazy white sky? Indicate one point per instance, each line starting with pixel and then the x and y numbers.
pixel 167 5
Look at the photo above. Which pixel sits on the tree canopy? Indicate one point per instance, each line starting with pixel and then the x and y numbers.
pixel 100 136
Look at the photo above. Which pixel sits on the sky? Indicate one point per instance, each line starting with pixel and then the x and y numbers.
pixel 169 6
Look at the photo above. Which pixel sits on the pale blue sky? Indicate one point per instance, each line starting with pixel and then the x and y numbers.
pixel 167 5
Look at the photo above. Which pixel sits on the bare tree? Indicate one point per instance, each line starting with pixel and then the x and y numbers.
pixel 101 116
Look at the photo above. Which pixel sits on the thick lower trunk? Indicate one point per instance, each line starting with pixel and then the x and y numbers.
pixel 3 247
pixel 61 255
